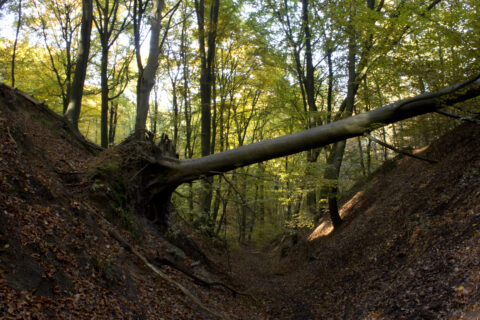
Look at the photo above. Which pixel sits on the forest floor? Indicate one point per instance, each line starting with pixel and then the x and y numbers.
pixel 409 247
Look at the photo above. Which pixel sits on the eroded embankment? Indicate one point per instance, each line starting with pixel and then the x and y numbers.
pixel 409 247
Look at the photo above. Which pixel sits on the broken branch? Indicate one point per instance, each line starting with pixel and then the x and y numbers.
pixel 401 151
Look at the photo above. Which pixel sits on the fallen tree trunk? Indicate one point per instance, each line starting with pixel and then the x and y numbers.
pixel 148 174
pixel 181 171
pixel 166 172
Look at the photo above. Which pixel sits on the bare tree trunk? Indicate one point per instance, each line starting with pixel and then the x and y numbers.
pixel 166 173
pixel 113 123
pixel 191 169
pixel 146 78
pixel 109 31
pixel 73 110
pixel 105 92
pixel 335 159
pixel 360 152
pixel 19 25
pixel 207 61
pixel 369 157
pixel 154 119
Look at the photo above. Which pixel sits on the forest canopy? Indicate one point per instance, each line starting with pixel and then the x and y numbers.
pixel 215 75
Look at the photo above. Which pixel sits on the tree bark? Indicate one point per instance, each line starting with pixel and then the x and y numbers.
pixel 73 110
pixel 146 78
pixel 165 173
pixel 192 169
pixel 19 25
pixel 113 123
pixel 109 31
pixel 207 62
pixel 335 159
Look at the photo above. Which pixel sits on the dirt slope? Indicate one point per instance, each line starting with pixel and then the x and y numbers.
pixel 409 249
pixel 58 259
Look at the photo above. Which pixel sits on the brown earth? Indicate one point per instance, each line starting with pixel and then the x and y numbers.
pixel 58 259
pixel 409 247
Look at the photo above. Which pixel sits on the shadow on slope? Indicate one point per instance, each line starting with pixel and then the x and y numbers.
pixel 58 259
pixel 410 244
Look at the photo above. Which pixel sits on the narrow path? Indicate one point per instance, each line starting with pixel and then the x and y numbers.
pixel 283 296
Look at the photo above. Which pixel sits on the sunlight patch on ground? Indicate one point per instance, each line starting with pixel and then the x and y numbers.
pixel 325 227
pixel 420 150
pixel 352 202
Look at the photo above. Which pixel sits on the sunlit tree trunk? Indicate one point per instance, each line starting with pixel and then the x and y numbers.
pixel 73 110
pixel 109 30
pixel 19 25
pixel 146 77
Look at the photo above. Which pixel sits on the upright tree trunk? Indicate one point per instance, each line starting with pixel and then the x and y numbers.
pixel 108 30
pixel 146 77
pixel 176 120
pixel 360 152
pixel 105 93
pixel 312 113
pixel 334 161
pixel 207 62
pixel 113 123
pixel 19 25
pixel 73 110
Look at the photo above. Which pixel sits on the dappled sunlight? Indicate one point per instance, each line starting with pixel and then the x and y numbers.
pixel 351 203
pixel 325 227
pixel 420 150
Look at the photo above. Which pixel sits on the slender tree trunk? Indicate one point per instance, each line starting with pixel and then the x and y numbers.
pixel 385 149
pixel 154 119
pixel 369 157
pixel 73 110
pixel 108 31
pixel 176 120
pixel 113 123
pixel 19 25
pixel 105 100
pixel 207 61
pixel 330 85
pixel 360 152
pixel 334 161
pixel 312 114
pixel 146 78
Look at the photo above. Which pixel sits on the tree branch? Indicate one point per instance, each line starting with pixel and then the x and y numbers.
pixel 192 169
pixel 456 116
pixel 401 151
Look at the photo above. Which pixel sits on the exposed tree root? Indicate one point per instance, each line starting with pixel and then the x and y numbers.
pixel 162 275
pixel 116 235
pixel 198 280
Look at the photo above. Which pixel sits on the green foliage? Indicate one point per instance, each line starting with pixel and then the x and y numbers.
pixel 402 50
